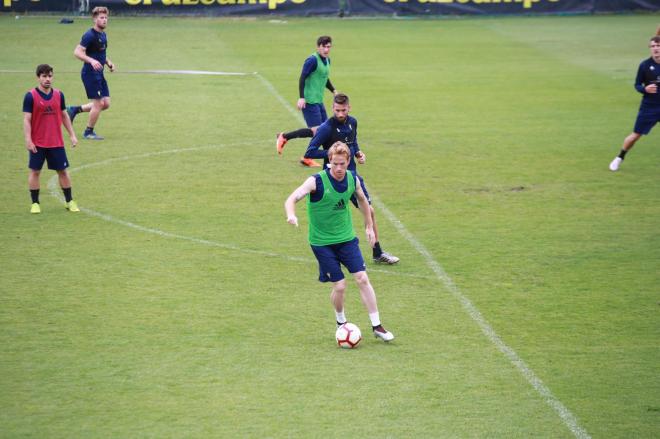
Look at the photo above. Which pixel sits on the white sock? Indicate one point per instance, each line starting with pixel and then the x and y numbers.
pixel 375 319
pixel 341 318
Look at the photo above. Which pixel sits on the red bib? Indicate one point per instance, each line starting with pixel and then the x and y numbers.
pixel 47 119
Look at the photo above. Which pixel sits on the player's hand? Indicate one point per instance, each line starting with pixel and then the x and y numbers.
pixel 371 236
pixel 301 103
pixel 293 220
pixel 111 66
pixel 96 65
pixel 31 147
pixel 651 88
pixel 361 157
pixel 74 141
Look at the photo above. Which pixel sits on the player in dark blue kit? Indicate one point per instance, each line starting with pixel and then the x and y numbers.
pixel 92 52
pixel 647 83
pixel 314 79
pixel 343 128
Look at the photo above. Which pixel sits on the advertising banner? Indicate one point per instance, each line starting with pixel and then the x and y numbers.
pixel 334 7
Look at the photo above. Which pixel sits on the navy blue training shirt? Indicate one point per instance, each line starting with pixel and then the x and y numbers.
pixel 648 73
pixel 330 132
pixel 95 44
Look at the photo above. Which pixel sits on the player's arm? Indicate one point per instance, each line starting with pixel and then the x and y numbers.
pixel 331 87
pixel 314 150
pixel 641 84
pixel 80 52
pixel 363 204
pixel 110 64
pixel 301 192
pixel 27 130
pixel 359 155
pixel 66 121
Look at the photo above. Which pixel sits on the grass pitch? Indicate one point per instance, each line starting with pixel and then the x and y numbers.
pixel 180 303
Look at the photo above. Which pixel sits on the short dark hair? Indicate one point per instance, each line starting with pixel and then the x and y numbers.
pixel 655 39
pixel 341 99
pixel 323 40
pixel 44 69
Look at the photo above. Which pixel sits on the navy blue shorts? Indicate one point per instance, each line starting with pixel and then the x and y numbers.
pixel 646 119
pixel 314 115
pixel 95 85
pixel 56 158
pixel 364 189
pixel 331 257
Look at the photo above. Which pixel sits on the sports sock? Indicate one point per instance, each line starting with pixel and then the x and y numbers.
pixel 377 250
pixel 622 154
pixel 67 193
pixel 34 193
pixel 302 132
pixel 89 130
pixel 341 318
pixel 375 319
pixel 77 109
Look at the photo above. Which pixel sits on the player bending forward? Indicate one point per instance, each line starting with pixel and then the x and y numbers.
pixel 331 233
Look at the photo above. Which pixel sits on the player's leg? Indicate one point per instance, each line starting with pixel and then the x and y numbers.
pixel 97 90
pixel 58 162
pixel 379 256
pixel 330 271
pixel 337 298
pixel 645 121
pixel 351 256
pixel 36 162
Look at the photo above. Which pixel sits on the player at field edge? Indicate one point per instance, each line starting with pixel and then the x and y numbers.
pixel 331 235
pixel 314 79
pixel 646 82
pixel 92 51
pixel 44 113
pixel 343 127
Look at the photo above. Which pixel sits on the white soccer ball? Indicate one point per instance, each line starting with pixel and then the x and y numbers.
pixel 348 336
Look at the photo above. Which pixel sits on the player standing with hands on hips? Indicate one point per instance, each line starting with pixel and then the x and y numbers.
pixel 92 52
pixel 648 84
pixel 44 113
pixel 331 233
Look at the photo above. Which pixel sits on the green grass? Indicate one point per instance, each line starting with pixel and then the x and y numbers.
pixel 180 303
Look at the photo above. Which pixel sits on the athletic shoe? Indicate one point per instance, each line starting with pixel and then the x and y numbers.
pixel 382 333
pixel 92 136
pixel 72 206
pixel 614 166
pixel 386 258
pixel 72 113
pixel 35 208
pixel 309 163
pixel 279 144
pixel 340 324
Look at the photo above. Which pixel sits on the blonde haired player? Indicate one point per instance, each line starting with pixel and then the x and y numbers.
pixel 331 233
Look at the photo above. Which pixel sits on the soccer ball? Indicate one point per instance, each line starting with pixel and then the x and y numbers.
pixel 348 336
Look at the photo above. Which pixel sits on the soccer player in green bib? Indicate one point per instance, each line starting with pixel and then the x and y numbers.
pixel 314 79
pixel 331 233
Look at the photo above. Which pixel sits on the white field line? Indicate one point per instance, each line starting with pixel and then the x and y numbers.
pixel 153 72
pixel 564 413
pixel 52 187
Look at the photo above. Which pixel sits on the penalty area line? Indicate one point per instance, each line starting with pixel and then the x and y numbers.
pixel 564 413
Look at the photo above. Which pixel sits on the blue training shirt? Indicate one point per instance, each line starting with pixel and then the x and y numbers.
pixel 95 44
pixel 28 101
pixel 330 132
pixel 648 73
pixel 339 186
